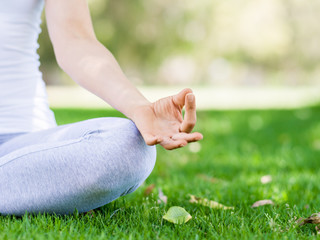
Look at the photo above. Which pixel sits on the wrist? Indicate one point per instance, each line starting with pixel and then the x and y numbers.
pixel 135 109
pixel 138 108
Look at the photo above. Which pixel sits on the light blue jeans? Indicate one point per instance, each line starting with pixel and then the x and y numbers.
pixel 81 166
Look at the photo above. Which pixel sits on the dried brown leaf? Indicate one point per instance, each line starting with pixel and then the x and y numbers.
pixel 149 189
pixel 313 219
pixel 208 203
pixel 300 221
pixel 262 203
pixel 162 198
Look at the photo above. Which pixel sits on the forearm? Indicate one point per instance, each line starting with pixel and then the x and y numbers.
pixel 92 66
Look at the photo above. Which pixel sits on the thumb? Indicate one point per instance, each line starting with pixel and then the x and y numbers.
pixel 151 139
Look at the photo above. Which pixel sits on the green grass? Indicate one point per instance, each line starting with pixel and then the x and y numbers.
pixel 239 147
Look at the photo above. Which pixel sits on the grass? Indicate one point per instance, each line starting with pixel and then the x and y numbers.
pixel 239 148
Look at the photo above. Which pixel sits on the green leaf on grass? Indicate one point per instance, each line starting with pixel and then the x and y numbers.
pixel 177 215
pixel 208 203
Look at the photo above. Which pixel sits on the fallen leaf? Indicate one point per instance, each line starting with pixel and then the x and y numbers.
pixel 208 203
pixel 208 178
pixel 177 215
pixel 162 198
pixel 262 203
pixel 313 219
pixel 149 189
pixel 300 221
pixel 266 179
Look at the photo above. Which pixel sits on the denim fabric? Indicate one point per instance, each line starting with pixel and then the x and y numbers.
pixel 8 136
pixel 80 166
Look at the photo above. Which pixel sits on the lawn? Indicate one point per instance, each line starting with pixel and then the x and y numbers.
pixel 239 148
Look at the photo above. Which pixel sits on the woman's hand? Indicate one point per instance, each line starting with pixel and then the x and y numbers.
pixel 162 122
pixel 92 66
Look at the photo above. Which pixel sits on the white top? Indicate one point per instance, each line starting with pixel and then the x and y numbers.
pixel 23 99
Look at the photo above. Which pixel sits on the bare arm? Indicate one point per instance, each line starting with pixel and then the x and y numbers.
pixel 85 59
pixel 92 66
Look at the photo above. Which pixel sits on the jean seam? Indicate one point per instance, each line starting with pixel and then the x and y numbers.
pixel 61 144
pixel 90 134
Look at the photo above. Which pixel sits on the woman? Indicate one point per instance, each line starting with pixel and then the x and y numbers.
pixel 85 165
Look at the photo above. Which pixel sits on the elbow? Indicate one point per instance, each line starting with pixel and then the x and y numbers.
pixel 62 53
pixel 61 62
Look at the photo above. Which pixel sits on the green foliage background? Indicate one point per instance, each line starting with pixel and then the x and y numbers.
pixel 234 42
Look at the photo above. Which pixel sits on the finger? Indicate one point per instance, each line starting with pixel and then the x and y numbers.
pixel 189 137
pixel 179 99
pixel 151 139
pixel 190 116
pixel 170 144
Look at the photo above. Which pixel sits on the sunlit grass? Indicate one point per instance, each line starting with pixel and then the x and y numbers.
pixel 239 147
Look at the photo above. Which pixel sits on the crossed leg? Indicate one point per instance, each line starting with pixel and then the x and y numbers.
pixel 80 166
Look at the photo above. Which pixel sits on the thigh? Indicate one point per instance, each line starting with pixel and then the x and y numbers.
pixel 6 137
pixel 56 136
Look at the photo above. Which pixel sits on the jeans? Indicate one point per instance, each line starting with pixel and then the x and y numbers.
pixel 81 166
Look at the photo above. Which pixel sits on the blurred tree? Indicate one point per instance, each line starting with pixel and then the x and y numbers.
pixel 205 41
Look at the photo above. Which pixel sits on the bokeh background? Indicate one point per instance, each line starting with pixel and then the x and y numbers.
pixel 254 66
pixel 205 42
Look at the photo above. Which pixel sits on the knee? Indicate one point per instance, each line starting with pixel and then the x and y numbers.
pixel 129 160
pixel 138 158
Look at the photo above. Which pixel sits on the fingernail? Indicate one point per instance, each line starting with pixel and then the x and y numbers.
pixel 190 97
